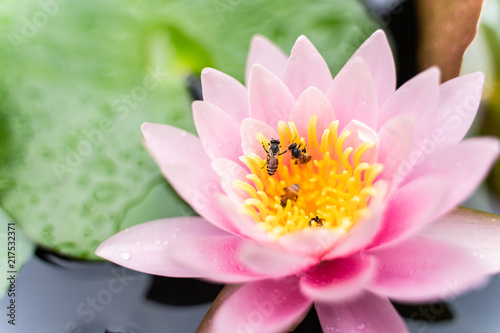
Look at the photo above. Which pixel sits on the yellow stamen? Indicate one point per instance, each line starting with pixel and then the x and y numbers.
pixel 335 186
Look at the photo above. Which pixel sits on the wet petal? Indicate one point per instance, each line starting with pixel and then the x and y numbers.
pixel 140 246
pixel 262 306
pixel 216 258
pixel 421 269
pixel 463 165
pixel 476 232
pixel 367 313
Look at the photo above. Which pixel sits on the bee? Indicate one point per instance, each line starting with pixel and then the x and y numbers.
pixel 291 192
pixel 299 155
pixel 272 156
pixel 318 220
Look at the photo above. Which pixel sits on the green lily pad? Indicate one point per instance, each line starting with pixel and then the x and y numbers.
pixel 79 78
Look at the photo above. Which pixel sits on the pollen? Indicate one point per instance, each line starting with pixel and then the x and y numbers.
pixel 332 189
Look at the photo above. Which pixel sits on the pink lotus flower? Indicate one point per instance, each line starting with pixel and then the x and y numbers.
pixel 347 230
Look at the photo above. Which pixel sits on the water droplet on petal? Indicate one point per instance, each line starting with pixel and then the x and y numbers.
pixel 183 134
pixel 157 242
pixel 482 256
pixel 125 255
pixel 361 327
pixel 127 230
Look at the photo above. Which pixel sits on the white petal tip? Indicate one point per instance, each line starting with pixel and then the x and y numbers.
pixel 146 126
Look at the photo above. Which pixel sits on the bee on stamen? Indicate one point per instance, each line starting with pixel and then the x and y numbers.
pixel 299 155
pixel 318 220
pixel 291 192
pixel 272 156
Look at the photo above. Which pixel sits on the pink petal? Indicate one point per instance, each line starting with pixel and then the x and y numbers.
pixel 273 262
pixel 362 233
pixel 411 207
pixel 216 258
pixel 353 95
pixel 262 306
pixel 171 145
pixel 306 68
pixel 249 142
pixel 421 269
pixel 396 140
pixel 419 98
pixel 243 224
pixel 312 102
pixel 360 133
pixel 264 52
pixel 377 54
pixel 199 188
pixel 367 313
pixel 184 163
pixel 459 102
pixel 463 165
pixel 339 279
pixel 228 172
pixel 309 242
pixel 476 232
pixel 148 247
pixel 225 92
pixel 219 132
pixel 270 100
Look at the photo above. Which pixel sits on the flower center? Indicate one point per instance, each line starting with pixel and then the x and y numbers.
pixel 315 184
